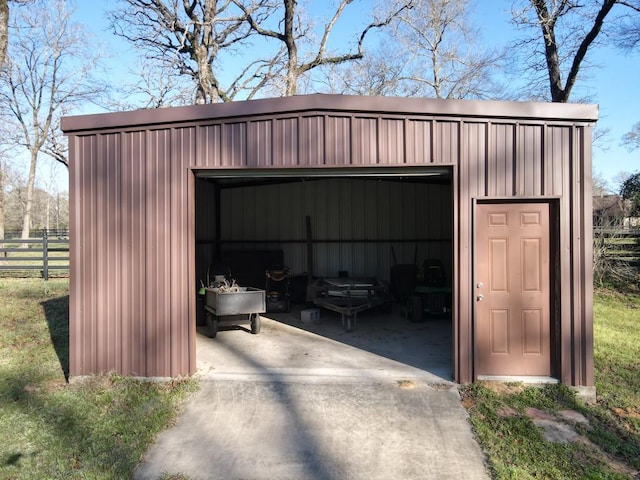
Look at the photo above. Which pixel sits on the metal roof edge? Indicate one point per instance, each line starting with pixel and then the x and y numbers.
pixel 487 109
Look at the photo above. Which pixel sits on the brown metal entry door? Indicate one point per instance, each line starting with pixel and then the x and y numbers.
pixel 512 289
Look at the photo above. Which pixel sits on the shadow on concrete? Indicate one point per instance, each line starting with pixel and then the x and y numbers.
pixel 56 311
pixel 293 403
pixel 316 461
pixel 425 345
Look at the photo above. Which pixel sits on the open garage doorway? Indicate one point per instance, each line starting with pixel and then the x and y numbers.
pixel 390 224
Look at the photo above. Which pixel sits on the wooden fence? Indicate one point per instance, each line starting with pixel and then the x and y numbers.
pixel 25 256
pixel 618 245
pixel 50 252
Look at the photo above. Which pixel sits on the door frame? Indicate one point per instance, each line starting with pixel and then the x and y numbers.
pixel 555 329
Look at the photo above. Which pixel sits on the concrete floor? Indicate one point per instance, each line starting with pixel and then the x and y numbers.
pixel 313 402
pixel 382 341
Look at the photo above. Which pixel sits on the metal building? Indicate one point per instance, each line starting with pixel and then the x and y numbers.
pixel 500 191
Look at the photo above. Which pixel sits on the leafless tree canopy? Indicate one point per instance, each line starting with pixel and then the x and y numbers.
pixel 632 138
pixel 4 25
pixel 561 34
pixel 628 25
pixel 188 36
pixel 431 50
pixel 600 185
pixel 46 73
pixel 294 30
pixel 4 28
pixel 233 48
pixel 446 54
pixel 379 72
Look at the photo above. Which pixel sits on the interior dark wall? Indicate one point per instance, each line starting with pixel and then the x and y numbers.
pixel 357 224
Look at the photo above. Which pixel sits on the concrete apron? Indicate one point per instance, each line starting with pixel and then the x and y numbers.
pixel 320 403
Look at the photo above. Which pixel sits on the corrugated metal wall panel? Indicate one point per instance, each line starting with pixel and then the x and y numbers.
pixel 528 156
pixel 585 202
pixel 82 305
pixel 183 144
pixel 419 143
pixel 158 252
pixel 110 233
pixel 354 223
pixel 392 141
pixel 338 140
pixel 364 137
pixel 285 142
pixel 99 181
pixel 210 145
pixel 477 148
pixel 556 154
pixel 500 163
pixel 233 143
pixel 259 139
pixel 311 131
pixel 446 138
pixel 134 236
pixel 145 173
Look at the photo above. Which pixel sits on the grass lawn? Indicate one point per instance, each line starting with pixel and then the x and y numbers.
pixel 604 438
pixel 96 428
pixel 100 427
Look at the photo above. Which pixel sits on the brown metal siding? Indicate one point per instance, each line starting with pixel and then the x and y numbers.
pixel 133 250
pixel 365 150
pixel 338 140
pixel 286 140
pixel 418 141
pixel 585 202
pixel 311 134
pixel 500 160
pixel 132 212
pixel 528 157
pixel 471 184
pixel 209 146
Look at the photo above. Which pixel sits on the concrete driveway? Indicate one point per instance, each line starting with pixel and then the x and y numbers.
pixel 319 403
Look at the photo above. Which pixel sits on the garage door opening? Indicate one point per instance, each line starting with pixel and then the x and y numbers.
pixel 393 225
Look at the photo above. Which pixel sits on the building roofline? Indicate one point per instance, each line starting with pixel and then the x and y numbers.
pixel 486 109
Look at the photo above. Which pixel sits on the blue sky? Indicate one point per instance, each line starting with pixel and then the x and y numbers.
pixel 612 86
pixel 611 83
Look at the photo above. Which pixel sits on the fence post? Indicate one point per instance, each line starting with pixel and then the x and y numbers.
pixel 45 255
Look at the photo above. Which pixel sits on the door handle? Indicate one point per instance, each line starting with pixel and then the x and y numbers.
pixel 480 297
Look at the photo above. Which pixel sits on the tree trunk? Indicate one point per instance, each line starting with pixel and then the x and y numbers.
pixel 26 223
pixel 4 28
pixel 292 49
pixel 1 201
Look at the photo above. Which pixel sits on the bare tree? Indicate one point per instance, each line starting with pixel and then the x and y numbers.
pixel 4 29
pixel 48 71
pixel 432 50
pixel 566 31
pixel 188 36
pixel 2 187
pixel 600 185
pixel 628 26
pixel 632 138
pixel 445 55
pixel 4 25
pixel 156 87
pixel 379 72
pixel 294 31
pixel 7 152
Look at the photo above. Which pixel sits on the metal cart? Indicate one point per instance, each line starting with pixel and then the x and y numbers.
pixel 233 307
pixel 349 296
